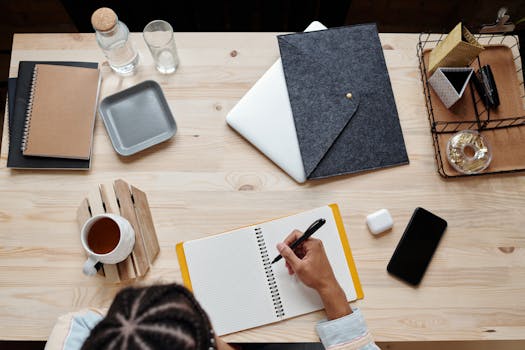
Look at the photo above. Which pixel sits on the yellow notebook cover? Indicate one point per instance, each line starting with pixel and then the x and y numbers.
pixel 237 290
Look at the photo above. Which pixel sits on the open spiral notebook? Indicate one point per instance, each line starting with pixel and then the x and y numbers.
pixel 233 279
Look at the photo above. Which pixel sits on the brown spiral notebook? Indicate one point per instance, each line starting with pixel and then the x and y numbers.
pixel 61 112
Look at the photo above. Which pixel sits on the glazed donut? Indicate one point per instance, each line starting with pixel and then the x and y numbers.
pixel 468 152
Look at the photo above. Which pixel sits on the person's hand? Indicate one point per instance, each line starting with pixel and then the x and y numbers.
pixel 310 263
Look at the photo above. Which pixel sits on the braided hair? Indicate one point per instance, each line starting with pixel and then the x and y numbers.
pixel 156 317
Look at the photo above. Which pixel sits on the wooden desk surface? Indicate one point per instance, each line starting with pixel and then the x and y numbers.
pixel 208 179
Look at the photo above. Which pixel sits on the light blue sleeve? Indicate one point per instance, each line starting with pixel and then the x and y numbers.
pixel 81 326
pixel 350 330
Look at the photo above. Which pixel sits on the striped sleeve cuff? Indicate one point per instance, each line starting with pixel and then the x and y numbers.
pixel 348 332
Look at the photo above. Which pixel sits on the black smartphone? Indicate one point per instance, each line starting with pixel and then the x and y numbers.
pixel 415 249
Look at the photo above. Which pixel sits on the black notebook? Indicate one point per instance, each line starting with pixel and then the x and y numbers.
pixel 17 117
pixel 11 93
pixel 342 101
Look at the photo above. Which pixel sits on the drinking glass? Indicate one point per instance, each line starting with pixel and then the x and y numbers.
pixel 158 35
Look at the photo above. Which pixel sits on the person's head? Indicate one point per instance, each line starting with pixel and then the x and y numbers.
pixel 156 317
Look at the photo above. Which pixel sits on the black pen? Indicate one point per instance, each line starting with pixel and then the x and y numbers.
pixel 309 231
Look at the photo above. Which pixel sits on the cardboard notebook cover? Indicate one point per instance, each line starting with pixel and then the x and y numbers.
pixel 17 116
pixel 342 101
pixel 61 115
pixel 231 275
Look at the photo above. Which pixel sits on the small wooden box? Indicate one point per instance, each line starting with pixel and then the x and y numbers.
pixel 132 204
pixel 458 49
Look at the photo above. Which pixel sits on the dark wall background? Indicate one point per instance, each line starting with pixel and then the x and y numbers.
pixel 295 15
pixel 225 15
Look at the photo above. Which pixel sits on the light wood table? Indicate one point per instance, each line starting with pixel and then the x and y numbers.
pixel 208 179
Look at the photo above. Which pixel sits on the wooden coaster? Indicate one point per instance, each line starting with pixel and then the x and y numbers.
pixel 132 204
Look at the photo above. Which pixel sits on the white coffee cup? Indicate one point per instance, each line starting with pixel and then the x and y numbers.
pixel 107 238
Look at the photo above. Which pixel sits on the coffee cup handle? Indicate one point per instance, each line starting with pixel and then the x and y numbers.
pixel 89 266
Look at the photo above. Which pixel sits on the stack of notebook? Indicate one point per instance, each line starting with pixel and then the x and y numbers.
pixel 52 108
pixel 325 108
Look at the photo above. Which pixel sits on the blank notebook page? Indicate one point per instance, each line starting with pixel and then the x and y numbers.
pixel 228 280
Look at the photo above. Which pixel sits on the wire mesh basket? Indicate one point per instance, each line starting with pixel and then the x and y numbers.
pixel 480 119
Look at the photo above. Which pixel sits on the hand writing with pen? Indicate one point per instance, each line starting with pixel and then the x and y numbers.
pixel 308 261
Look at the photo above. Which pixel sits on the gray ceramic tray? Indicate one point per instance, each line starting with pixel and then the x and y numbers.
pixel 137 118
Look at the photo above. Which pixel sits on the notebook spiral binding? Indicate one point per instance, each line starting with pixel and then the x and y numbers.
pixel 270 276
pixel 29 110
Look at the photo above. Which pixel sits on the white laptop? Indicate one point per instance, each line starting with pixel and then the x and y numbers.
pixel 264 117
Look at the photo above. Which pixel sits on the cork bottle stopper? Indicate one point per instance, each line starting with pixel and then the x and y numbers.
pixel 104 19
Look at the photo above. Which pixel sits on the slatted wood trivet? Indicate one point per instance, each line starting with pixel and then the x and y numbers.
pixel 132 204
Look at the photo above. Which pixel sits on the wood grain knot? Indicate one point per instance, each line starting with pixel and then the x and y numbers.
pixel 196 135
pixel 4 217
pixel 233 53
pixel 246 188
pixel 490 331
pixel 244 181
pixel 218 107
pixel 507 250
pixel 388 47
pixel 76 37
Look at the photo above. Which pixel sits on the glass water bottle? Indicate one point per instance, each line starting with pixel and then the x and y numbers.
pixel 113 38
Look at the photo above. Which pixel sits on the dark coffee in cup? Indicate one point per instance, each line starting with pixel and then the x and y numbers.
pixel 103 236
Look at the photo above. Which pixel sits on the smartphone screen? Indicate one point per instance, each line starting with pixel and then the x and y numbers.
pixel 415 249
